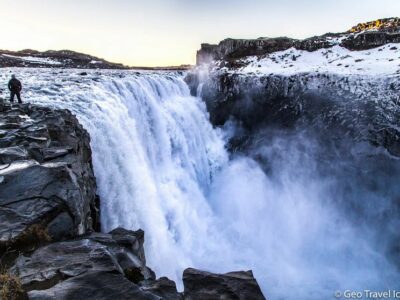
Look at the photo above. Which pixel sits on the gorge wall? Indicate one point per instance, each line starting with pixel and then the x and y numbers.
pixel 321 118
pixel 360 37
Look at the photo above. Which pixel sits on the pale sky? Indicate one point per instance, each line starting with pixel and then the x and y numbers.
pixel 169 32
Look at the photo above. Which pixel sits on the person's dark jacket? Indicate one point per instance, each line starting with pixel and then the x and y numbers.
pixel 14 85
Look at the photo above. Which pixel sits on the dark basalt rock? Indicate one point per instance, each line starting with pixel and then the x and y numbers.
pixel 94 286
pixel 200 285
pixel 237 48
pixel 325 102
pixel 60 269
pixel 369 40
pixel 164 288
pixel 47 185
pixel 96 266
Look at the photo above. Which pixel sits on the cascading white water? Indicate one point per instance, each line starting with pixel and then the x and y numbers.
pixel 160 166
pixel 154 155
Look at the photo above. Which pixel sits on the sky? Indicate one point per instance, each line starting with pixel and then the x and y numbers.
pixel 169 32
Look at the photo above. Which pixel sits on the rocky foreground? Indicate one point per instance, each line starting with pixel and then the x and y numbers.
pixel 50 244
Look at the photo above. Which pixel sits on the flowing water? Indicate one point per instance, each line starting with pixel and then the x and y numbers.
pixel 162 167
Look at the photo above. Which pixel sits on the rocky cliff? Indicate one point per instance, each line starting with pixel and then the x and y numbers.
pixel 360 37
pixel 327 81
pixel 51 246
pixel 47 186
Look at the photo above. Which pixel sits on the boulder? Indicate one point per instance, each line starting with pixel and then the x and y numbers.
pixel 76 269
pixel 201 285
pixel 94 286
pixel 162 287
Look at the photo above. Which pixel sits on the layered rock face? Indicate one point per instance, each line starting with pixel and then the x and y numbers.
pixel 208 286
pixel 47 186
pixel 327 101
pixel 113 266
pixel 97 266
pixel 50 244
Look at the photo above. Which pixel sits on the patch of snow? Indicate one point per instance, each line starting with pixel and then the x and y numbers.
pixel 16 166
pixel 337 60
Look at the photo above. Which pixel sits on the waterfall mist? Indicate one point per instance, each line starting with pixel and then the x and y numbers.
pixel 308 217
pixel 317 215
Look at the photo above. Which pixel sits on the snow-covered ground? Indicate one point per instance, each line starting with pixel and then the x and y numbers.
pixel 31 59
pixel 338 60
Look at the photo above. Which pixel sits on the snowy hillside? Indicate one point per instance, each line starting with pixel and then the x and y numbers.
pixel 337 60
pixel 54 59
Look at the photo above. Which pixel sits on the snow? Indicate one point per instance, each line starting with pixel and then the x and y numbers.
pixel 35 60
pixel 16 166
pixel 384 60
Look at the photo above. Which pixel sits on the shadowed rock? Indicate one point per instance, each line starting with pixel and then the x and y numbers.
pixel 94 286
pixel 365 38
pixel 47 185
pixel 200 285
pixel 104 265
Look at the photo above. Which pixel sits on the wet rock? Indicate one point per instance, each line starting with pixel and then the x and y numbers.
pixel 238 48
pixel 104 265
pixel 10 154
pixel 51 153
pixel 45 190
pixel 99 263
pixel 324 102
pixel 200 285
pixel 164 288
pixel 94 286
pixel 60 227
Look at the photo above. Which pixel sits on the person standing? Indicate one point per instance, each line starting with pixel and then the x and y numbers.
pixel 15 87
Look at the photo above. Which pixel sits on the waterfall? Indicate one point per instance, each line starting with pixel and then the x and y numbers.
pixel 161 166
